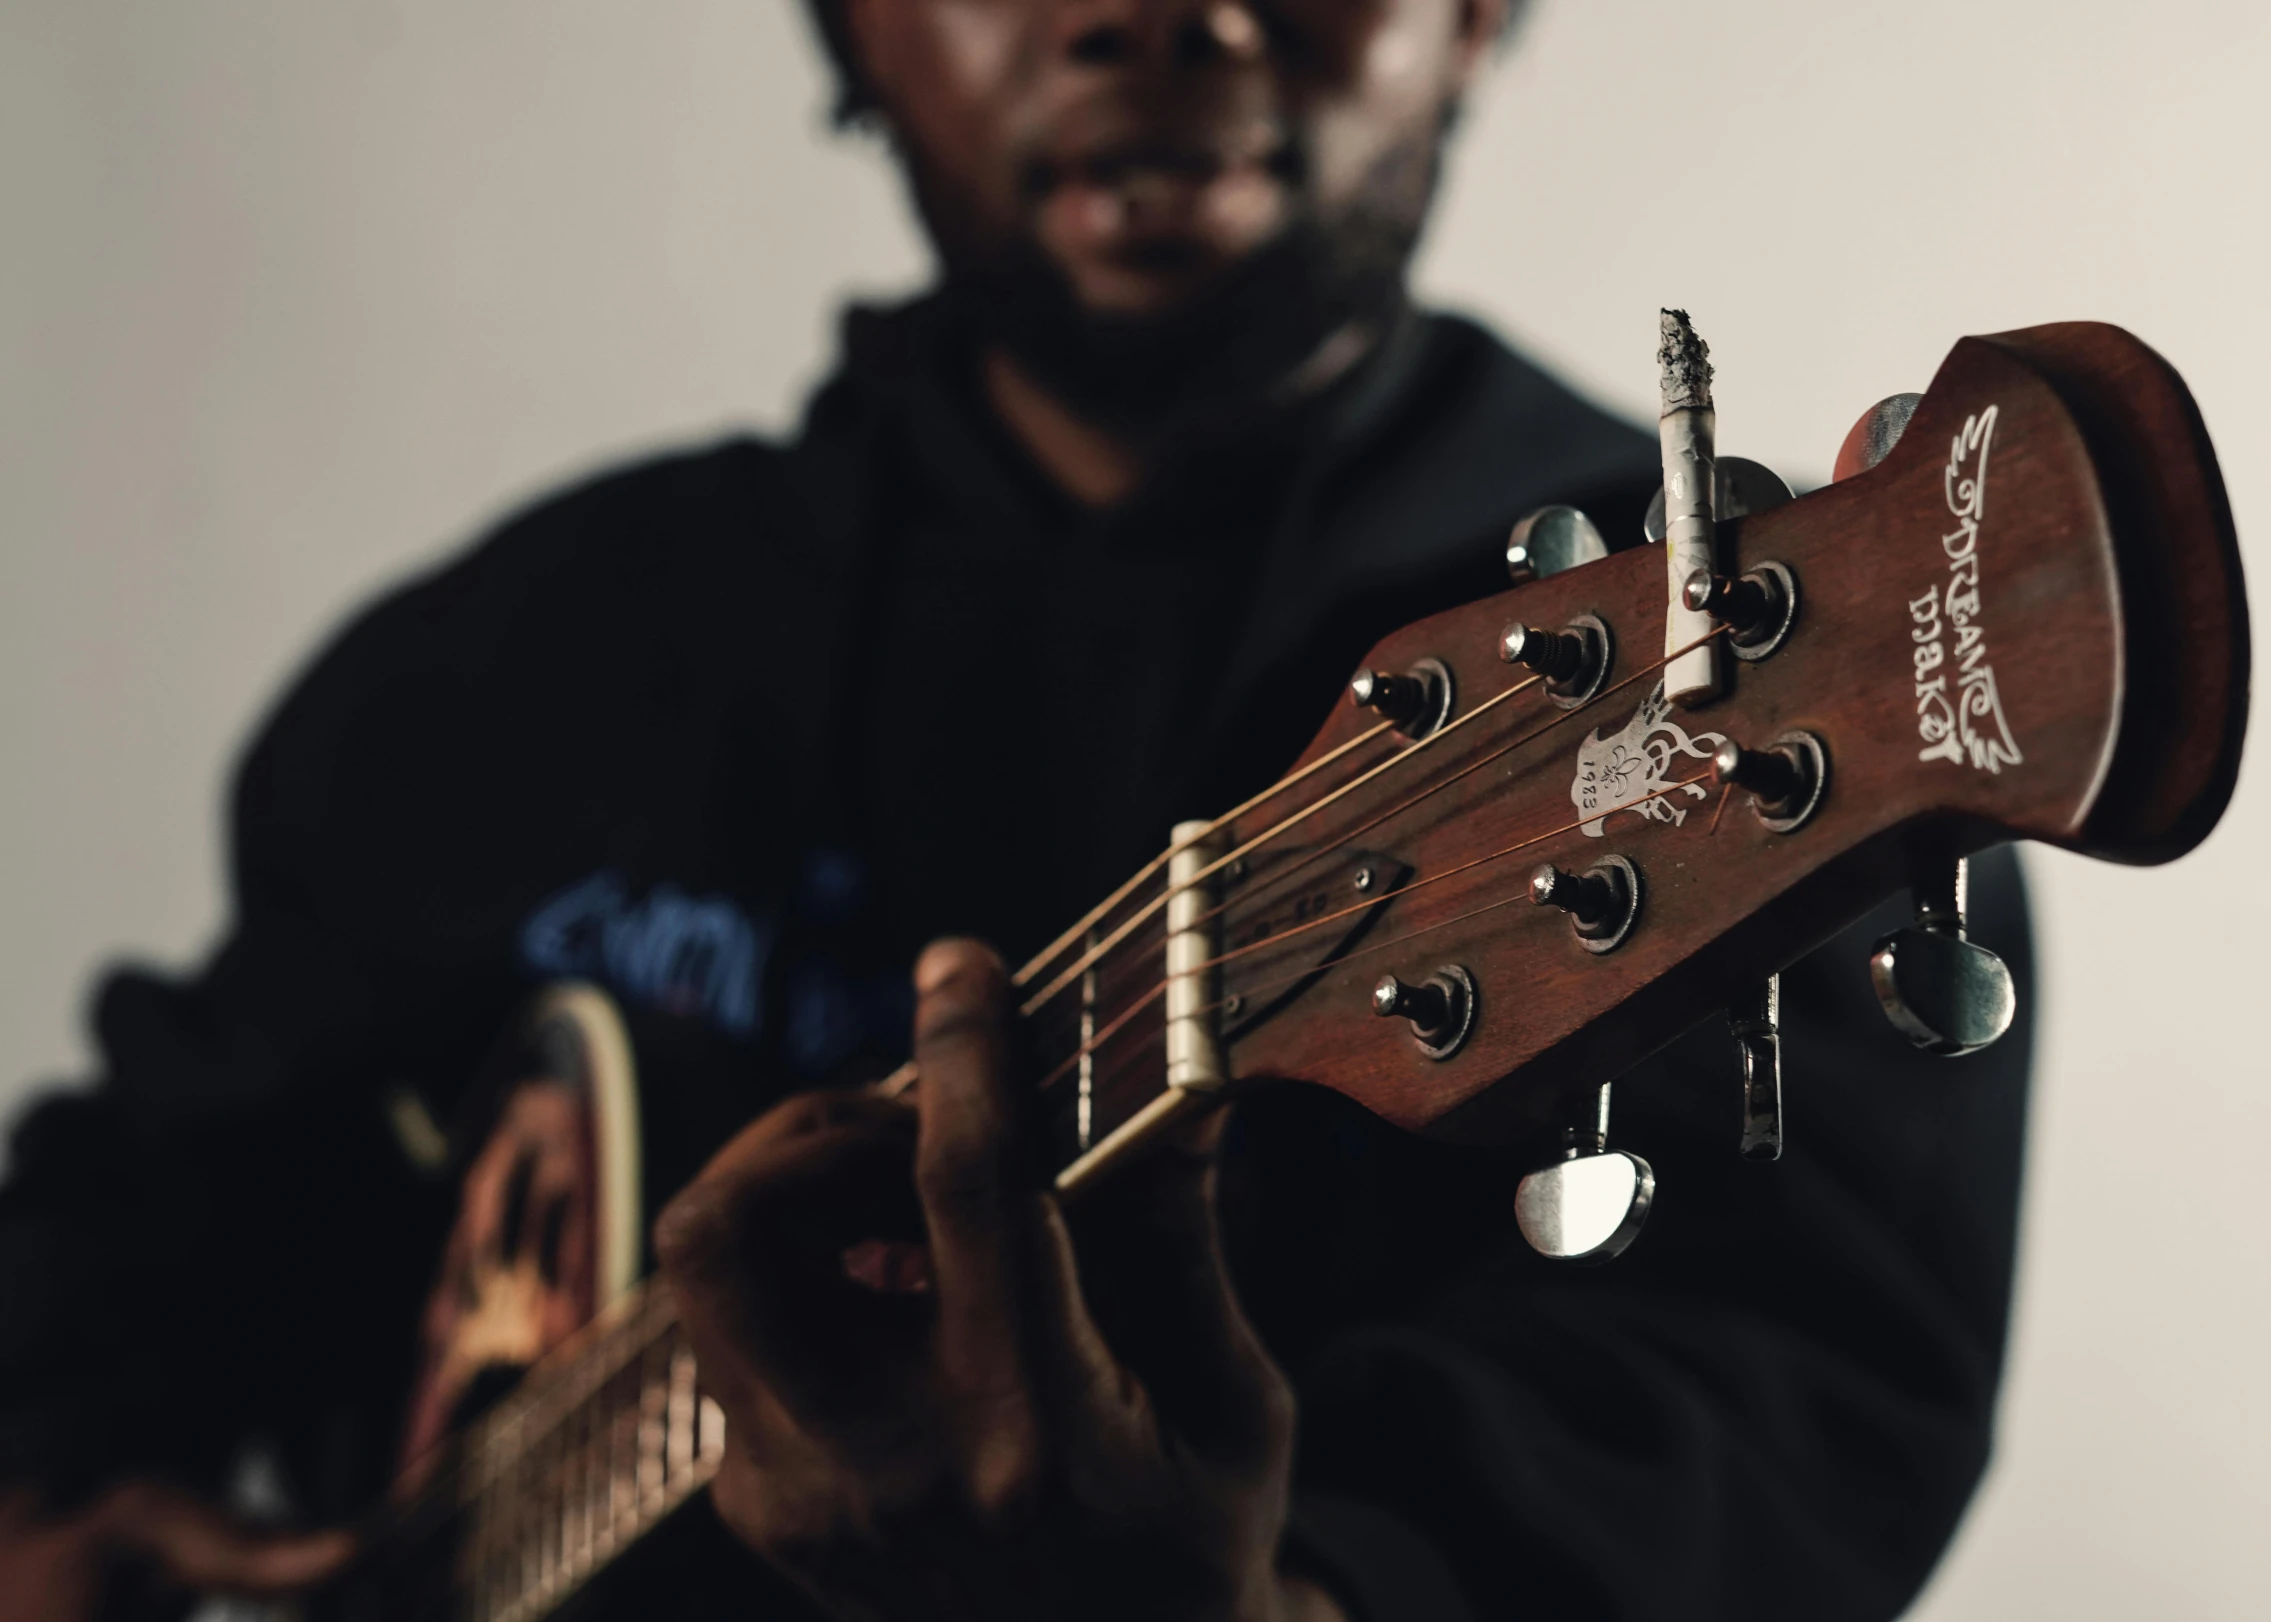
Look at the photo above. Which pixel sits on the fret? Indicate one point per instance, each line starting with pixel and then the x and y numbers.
pixel 713 1433
pixel 680 1455
pixel 653 1396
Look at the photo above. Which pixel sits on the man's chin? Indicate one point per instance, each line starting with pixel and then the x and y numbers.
pixel 1173 349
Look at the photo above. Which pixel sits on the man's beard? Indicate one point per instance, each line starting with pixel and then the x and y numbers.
pixel 1288 318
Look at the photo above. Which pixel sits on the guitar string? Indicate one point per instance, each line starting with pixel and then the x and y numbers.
pixel 642 1330
pixel 900 1080
pixel 1066 977
pixel 1071 972
pixel 1097 913
pixel 1105 1033
pixel 1469 770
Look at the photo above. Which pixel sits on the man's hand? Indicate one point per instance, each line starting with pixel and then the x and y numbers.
pixel 931 1410
pixel 60 1568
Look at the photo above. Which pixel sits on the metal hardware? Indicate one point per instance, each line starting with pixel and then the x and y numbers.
pixel 1550 540
pixel 1589 1205
pixel 1419 700
pixel 1574 660
pixel 1363 879
pixel 1942 991
pixel 1555 655
pixel 1757 608
pixel 1756 1025
pixel 1441 1008
pixel 1875 435
pixel 1744 487
pixel 1785 779
pixel 1194 1041
pixel 1603 902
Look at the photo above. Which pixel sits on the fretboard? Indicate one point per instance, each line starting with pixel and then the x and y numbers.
pixel 604 1439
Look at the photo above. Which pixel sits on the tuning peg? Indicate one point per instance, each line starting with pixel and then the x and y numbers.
pixel 1785 779
pixel 1757 608
pixel 1756 1025
pixel 1602 901
pixel 1417 701
pixel 1743 487
pixel 1872 439
pixel 1943 992
pixel 1589 1205
pixel 1550 540
pixel 1440 1009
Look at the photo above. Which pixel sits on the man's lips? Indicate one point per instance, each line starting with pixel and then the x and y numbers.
pixel 1144 200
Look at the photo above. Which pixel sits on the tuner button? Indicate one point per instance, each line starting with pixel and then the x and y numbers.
pixel 1943 992
pixel 1756 1025
pixel 1872 439
pixel 1586 1209
pixel 1550 540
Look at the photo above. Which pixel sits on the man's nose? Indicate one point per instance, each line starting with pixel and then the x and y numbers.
pixel 1160 33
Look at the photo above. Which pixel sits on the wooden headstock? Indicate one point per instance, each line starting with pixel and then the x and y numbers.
pixel 2026 623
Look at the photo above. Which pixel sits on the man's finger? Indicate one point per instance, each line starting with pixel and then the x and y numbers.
pixel 203 1547
pixel 1151 1240
pixel 753 1250
pixel 1009 1310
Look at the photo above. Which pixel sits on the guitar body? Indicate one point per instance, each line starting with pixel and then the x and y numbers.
pixel 547 1232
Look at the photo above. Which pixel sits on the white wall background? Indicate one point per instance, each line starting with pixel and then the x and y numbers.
pixel 291 296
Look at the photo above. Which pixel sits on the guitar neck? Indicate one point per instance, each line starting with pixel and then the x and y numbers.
pixel 608 1436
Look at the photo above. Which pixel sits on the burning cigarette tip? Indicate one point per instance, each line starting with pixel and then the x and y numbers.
pixel 1686 363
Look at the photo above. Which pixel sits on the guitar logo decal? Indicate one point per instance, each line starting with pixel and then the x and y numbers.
pixel 1621 771
pixel 1967 724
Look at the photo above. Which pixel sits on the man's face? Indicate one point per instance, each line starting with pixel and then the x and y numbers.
pixel 1115 176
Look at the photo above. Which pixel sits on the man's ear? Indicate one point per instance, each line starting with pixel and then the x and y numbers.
pixel 870 60
pixel 1481 23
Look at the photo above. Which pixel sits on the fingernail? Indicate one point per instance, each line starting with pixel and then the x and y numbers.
pixel 941 961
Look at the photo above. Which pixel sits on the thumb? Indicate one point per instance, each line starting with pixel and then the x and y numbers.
pixel 204 1547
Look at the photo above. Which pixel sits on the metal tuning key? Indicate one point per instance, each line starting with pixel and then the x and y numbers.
pixel 1602 902
pixel 1757 608
pixel 1418 700
pixel 1440 1009
pixel 1785 779
pixel 1942 991
pixel 1756 1025
pixel 1550 540
pixel 1589 1205
pixel 1574 660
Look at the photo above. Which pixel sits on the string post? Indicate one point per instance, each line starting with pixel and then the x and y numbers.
pixel 1785 779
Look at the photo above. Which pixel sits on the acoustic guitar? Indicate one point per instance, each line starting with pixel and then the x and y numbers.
pixel 1507 870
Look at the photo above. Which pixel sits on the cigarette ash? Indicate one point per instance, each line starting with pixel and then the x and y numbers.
pixel 1686 363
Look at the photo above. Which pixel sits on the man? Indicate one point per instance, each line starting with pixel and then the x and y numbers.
pixel 1078 546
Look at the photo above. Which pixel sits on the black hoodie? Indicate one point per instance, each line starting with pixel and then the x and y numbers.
pixel 734 731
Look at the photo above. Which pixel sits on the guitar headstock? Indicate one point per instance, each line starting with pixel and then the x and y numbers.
pixel 2026 622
